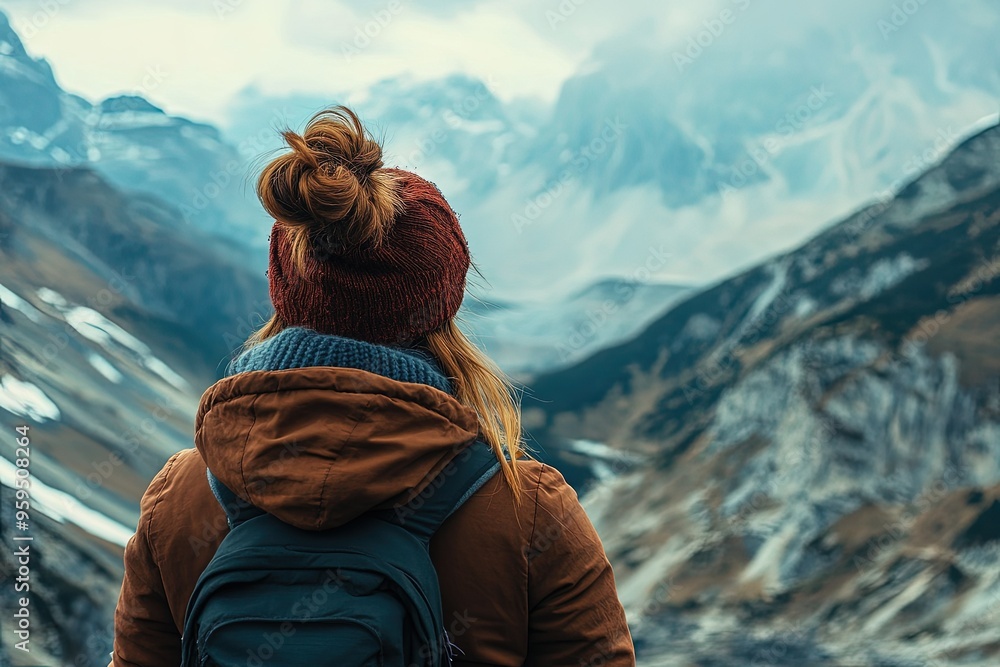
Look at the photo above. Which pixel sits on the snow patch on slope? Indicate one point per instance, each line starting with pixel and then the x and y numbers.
pixel 64 508
pixel 104 367
pixel 26 400
pixel 606 462
pixel 97 328
pixel 9 298
pixel 779 277
pixel 880 276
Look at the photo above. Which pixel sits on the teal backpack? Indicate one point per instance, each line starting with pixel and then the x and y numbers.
pixel 362 594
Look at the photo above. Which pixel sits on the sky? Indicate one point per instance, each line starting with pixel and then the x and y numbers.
pixel 207 51
pixel 908 79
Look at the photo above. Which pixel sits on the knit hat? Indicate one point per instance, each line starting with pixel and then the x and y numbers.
pixel 383 256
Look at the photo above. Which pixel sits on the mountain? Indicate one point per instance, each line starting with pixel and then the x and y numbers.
pixel 111 324
pixel 526 338
pixel 801 464
pixel 132 143
pixel 140 247
pixel 653 140
pixel 724 150
pixel 192 174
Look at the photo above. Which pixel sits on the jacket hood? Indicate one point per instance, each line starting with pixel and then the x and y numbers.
pixel 317 446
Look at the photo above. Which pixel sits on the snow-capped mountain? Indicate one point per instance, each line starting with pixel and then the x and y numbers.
pixel 132 143
pixel 801 465
pixel 723 153
pixel 723 160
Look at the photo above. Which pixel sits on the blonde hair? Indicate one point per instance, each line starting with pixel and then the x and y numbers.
pixel 330 192
pixel 481 385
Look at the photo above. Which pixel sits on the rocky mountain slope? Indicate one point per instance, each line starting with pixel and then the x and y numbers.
pixel 111 324
pixel 801 464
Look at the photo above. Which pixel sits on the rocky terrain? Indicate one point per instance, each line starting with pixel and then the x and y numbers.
pixel 111 324
pixel 801 465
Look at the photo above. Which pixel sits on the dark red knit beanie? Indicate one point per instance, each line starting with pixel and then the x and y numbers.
pixel 390 292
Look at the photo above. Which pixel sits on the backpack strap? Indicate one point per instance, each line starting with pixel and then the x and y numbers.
pixel 462 477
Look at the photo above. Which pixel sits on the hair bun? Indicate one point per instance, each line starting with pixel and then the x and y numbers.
pixel 330 190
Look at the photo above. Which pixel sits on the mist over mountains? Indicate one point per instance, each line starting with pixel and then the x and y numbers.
pixel 723 152
pixel 746 150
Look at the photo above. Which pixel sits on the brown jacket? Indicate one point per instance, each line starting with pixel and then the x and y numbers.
pixel 316 447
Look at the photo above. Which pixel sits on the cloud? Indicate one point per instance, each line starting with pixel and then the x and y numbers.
pixel 486 41
pixel 213 50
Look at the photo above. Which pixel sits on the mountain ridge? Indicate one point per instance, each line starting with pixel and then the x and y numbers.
pixel 797 428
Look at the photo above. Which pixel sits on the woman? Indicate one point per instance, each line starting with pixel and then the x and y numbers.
pixel 353 397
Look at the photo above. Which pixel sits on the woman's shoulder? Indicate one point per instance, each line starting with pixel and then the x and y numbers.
pixel 544 498
pixel 182 468
pixel 179 500
pixel 544 484
pixel 537 482
pixel 556 504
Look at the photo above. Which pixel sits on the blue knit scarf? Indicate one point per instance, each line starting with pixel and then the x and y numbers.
pixel 299 347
